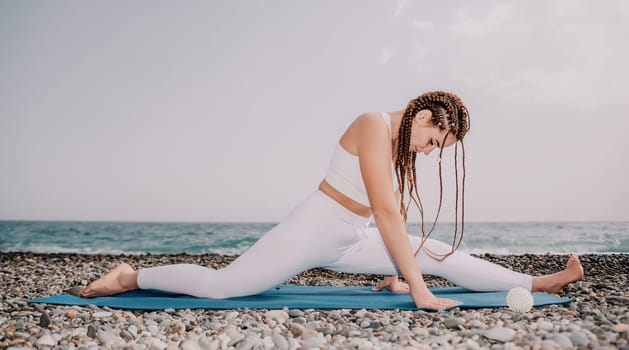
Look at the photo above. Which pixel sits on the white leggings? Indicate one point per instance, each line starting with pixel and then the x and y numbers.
pixel 319 232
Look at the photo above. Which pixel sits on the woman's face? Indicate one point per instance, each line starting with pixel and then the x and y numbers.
pixel 425 137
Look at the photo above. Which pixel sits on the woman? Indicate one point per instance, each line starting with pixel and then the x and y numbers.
pixel 372 167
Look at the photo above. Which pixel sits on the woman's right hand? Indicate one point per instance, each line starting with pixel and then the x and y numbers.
pixel 425 299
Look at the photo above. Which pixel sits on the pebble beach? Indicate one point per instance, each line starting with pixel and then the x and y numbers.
pixel 597 319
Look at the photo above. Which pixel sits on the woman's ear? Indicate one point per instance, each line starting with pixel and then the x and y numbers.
pixel 424 117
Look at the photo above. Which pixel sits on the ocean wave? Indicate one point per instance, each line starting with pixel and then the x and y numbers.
pixel 229 239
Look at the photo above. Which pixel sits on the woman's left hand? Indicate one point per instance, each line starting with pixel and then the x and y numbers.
pixel 393 284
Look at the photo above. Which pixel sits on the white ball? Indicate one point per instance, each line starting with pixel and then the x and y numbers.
pixel 519 299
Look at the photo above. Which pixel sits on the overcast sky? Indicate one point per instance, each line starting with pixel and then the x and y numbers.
pixel 229 110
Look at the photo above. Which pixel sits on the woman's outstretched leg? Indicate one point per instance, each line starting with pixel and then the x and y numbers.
pixel 267 263
pixel 371 256
pixel 315 234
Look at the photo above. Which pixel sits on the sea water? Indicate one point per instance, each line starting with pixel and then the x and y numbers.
pixel 234 238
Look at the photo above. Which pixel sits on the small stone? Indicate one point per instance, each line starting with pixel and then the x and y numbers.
pixel 172 345
pixel 374 325
pixel 420 331
pixel 91 332
pixel 178 328
pixel 108 339
pixel 33 330
pixel 248 343
pixel 545 325
pixel 156 344
pixel 470 344
pixel 297 329
pixel 133 330
pixel 279 341
pixel 578 338
pixel 360 313
pixel 562 340
pixel 569 314
pixel 101 314
pixel 44 320
pixel 126 336
pixel 235 338
pixel 295 313
pixel 477 324
pixel 72 314
pixel 45 340
pixel 230 317
pixel 18 342
pixel 309 333
pixel 21 335
pixel 621 328
pixel 279 316
pixel 189 344
pixel 549 345
pixel 313 339
pixel 453 322
pixel 213 345
pixel 499 333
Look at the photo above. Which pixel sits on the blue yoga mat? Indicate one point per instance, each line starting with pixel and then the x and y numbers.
pixel 295 297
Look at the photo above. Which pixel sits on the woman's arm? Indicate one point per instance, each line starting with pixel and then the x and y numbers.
pixel 374 152
pixel 392 282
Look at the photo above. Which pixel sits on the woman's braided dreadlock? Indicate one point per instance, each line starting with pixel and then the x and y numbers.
pixel 448 113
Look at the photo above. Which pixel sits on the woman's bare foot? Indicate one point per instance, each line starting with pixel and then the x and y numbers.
pixel 557 281
pixel 120 279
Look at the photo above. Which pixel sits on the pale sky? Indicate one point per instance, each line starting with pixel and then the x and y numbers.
pixel 229 110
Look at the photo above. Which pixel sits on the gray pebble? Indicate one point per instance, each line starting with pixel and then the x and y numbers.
pixel 107 338
pixel 21 335
pixel 545 325
pixel 295 313
pixel 172 345
pixel 300 320
pixel 279 341
pixel 471 344
pixel 46 340
pixel 549 345
pixel 500 334
pixel 453 322
pixel 248 343
pixel 189 345
pixel 297 329
pixel 230 317
pixel 91 331
pixel 578 338
pixel 476 324
pixel 562 340
pixel 44 320
pixel 156 344
pixel 235 338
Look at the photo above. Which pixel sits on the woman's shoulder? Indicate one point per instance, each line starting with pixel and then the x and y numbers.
pixel 370 122
pixel 368 127
pixel 369 117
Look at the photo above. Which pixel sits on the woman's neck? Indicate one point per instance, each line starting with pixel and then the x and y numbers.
pixel 396 121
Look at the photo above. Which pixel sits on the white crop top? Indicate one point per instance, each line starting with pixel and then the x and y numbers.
pixel 344 172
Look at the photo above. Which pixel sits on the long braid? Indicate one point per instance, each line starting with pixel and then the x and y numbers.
pixel 448 113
